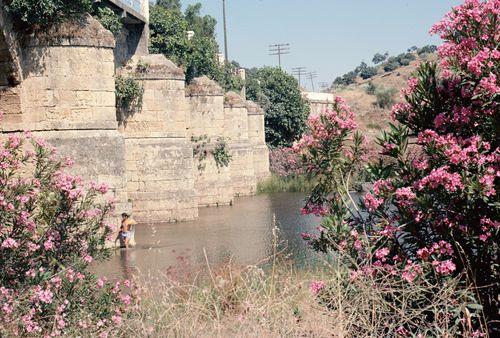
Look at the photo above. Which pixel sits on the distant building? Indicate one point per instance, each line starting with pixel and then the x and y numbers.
pixel 318 102
pixel 133 40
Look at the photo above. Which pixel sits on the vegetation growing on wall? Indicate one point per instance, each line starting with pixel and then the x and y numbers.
pixel 219 152
pixel 278 93
pixel 46 12
pixel 129 94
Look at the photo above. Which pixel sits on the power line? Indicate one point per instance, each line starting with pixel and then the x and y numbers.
pixel 299 71
pixel 311 76
pixel 279 49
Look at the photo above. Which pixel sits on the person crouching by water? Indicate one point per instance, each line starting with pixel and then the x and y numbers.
pixel 126 234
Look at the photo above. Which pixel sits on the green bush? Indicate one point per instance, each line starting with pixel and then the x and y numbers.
pixel 277 183
pixel 379 58
pixel 129 93
pixel 371 88
pixel 385 97
pixel 427 49
pixel 285 109
pixel 47 12
pixel 221 154
pixel 368 72
pixel 109 19
pixel 390 66
pixel 345 79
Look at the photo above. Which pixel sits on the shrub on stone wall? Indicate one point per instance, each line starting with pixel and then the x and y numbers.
pixel 129 94
pixel 202 148
pixel 46 12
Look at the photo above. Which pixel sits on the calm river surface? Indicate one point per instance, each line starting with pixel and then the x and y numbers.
pixel 242 232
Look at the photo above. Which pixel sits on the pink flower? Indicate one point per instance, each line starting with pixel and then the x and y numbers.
pixel 9 243
pixel 87 258
pixel 117 319
pixel 444 267
pixel 101 281
pixel 441 177
pixel 382 253
pixel 411 271
pixel 372 203
pixel 45 296
pixel 316 287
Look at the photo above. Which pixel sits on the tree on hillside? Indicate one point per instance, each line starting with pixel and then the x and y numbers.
pixel 285 109
pixel 345 79
pixel 378 58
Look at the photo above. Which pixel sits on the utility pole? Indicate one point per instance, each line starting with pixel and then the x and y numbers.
pixel 299 71
pixel 324 85
pixel 225 30
pixel 311 76
pixel 279 49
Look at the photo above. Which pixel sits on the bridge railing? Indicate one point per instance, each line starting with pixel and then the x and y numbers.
pixel 136 5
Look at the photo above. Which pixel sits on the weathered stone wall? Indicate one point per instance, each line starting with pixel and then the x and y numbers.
pixel 60 84
pixel 257 138
pixel 159 157
pixel 236 130
pixel 67 97
pixel 206 118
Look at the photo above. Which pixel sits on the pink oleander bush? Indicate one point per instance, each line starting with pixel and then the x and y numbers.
pixel 284 162
pixel 433 211
pixel 51 228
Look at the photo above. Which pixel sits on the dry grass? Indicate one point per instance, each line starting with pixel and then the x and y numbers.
pixel 274 300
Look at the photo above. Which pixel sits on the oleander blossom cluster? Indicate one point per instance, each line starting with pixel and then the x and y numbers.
pixel 284 162
pixel 433 209
pixel 330 135
pixel 51 228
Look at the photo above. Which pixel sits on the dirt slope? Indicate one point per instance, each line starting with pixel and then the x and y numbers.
pixel 370 117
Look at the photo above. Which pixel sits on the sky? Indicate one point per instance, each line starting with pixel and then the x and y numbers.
pixel 330 37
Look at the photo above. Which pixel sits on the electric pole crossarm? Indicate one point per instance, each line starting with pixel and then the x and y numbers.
pixel 279 49
pixel 299 71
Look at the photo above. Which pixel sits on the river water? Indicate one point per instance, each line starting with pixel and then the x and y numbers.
pixel 242 233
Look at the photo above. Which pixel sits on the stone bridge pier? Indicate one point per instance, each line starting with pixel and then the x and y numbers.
pixel 63 90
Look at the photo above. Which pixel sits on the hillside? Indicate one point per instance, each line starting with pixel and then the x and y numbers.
pixel 370 117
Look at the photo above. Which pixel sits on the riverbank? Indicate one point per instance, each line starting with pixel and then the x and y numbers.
pixel 278 300
pixel 285 184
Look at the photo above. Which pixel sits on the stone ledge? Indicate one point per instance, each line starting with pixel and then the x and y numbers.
pixel 203 86
pixel 88 32
pixel 57 126
pixel 254 109
pixel 233 100
pixel 158 67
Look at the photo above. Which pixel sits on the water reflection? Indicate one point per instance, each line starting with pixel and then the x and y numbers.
pixel 242 232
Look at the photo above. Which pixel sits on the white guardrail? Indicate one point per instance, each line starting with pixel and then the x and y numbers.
pixel 134 4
